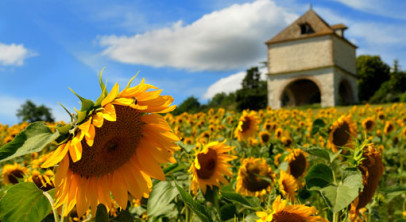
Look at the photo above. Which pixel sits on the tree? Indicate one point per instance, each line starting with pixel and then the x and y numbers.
pixel 391 90
pixel 190 105
pixel 253 94
pixel 372 72
pixel 31 113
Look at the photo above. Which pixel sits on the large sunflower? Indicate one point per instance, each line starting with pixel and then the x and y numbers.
pixel 281 212
pixel 247 125
pixel 248 180
pixel 342 133
pixel 209 166
pixel 115 148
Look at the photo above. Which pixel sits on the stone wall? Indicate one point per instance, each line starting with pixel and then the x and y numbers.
pixel 300 54
pixel 344 55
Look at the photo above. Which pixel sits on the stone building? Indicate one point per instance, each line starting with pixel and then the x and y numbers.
pixel 311 62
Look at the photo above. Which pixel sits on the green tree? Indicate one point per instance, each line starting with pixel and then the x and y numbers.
pixel 31 113
pixel 391 90
pixel 223 100
pixel 190 105
pixel 253 94
pixel 372 72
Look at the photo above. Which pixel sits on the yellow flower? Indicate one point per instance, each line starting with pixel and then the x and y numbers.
pixel 116 149
pixel 368 124
pixel 248 181
pixel 247 126
pixel 209 166
pixel 264 137
pixel 43 181
pixel 342 133
pixel 12 173
pixel 287 185
pixel 281 212
pixel 389 127
pixel 297 162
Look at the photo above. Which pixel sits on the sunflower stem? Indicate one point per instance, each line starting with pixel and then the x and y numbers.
pixel 51 201
pixel 335 217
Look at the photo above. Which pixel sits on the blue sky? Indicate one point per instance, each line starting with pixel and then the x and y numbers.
pixel 186 48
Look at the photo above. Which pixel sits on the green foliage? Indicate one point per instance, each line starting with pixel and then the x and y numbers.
pixel 253 94
pixel 194 205
pixel 24 202
pixel 340 195
pixel 32 139
pixel 393 89
pixel 31 113
pixel 319 175
pixel 159 202
pixel 223 100
pixel 101 214
pixel 372 72
pixel 190 105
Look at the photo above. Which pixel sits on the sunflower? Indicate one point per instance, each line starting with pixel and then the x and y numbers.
pixel 12 173
pixel 342 132
pixel 278 133
pixel 209 166
pixel 287 185
pixel 264 137
pixel 368 124
pixel 247 126
pixel 43 181
pixel 372 169
pixel 389 127
pixel 116 147
pixel 297 162
pixel 281 212
pixel 248 180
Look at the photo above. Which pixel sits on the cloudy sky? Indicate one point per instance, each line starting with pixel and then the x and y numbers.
pixel 196 47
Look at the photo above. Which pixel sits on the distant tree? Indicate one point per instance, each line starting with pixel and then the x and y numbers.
pixel 392 90
pixel 30 112
pixel 372 72
pixel 223 100
pixel 190 105
pixel 253 94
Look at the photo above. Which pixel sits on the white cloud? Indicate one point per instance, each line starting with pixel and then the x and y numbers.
pixel 229 84
pixel 14 54
pixel 392 9
pixel 227 39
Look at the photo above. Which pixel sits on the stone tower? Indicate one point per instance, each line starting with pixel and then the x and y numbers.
pixel 311 62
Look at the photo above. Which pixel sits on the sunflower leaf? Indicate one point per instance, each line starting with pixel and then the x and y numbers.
pixel 317 125
pixel 103 87
pixel 319 175
pixel 131 80
pixel 195 206
pixel 340 196
pixel 24 202
pixel 236 198
pixel 101 214
pixel 159 202
pixel 32 139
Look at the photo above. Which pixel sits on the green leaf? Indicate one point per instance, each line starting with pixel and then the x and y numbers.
pixel 32 139
pixel 131 80
pixel 186 147
pixel 319 175
pixel 174 167
pixel 228 211
pixel 104 92
pixel 101 214
pixel 340 196
pixel 329 155
pixel 24 202
pixel 87 104
pixel 159 202
pixel 236 198
pixel 195 206
pixel 317 125
pixel 124 216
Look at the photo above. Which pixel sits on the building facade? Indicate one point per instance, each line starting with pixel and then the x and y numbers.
pixel 311 62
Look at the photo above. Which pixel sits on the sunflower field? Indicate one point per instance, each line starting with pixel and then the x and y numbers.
pixel 125 157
